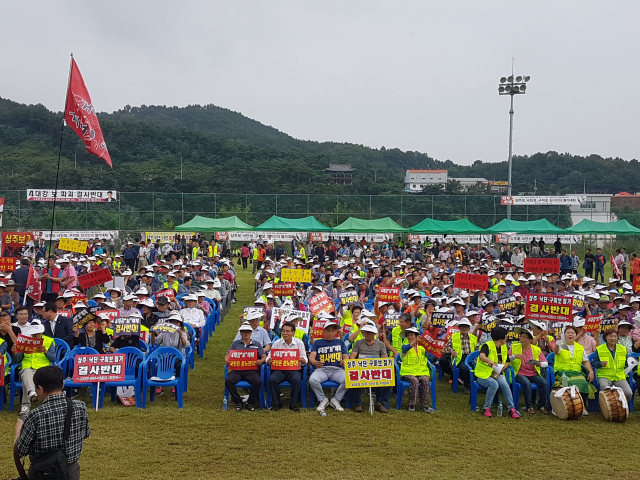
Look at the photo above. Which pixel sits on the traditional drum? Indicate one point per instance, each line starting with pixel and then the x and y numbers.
pixel 567 403
pixel 613 404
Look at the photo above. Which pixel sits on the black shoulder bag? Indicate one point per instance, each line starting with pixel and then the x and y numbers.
pixel 53 465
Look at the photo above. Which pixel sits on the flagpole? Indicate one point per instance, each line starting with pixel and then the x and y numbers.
pixel 55 193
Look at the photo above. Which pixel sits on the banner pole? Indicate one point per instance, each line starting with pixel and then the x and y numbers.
pixel 370 401
pixel 98 397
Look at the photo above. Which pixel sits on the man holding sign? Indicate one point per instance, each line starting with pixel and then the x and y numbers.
pixel 281 370
pixel 239 371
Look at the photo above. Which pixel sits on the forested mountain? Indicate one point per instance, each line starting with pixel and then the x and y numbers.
pixel 224 151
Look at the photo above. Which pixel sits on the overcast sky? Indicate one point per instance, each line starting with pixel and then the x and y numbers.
pixel 415 75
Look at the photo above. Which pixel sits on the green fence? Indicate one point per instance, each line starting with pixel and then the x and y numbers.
pixel 139 211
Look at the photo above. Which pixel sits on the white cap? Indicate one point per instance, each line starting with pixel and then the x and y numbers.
pixel 254 315
pixel 367 313
pixel 79 305
pixel 127 272
pixel 464 321
pixel 130 296
pixel 142 291
pixel 190 297
pixel 368 327
pixel 325 315
pixel 578 321
pixel 34 327
pixel 267 286
pixel 509 278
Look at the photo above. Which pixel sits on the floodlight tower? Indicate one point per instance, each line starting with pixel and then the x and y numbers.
pixel 512 85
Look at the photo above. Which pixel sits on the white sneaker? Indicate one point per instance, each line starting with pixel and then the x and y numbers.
pixel 585 413
pixel 323 404
pixel 32 396
pixel 335 403
pixel 25 409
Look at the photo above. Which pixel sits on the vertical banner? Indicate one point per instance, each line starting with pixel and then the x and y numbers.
pixel 1 209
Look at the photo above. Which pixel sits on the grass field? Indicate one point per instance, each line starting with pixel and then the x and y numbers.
pixel 202 441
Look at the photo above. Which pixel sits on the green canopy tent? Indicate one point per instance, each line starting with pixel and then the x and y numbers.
pixel 204 224
pixel 380 225
pixel 589 227
pixel 446 227
pixel 534 227
pixel 280 224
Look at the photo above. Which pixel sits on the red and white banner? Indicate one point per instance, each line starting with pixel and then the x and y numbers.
pixel 434 346
pixel 99 368
pixel 616 270
pixel 98 277
pixel 243 359
pixel 285 359
pixel 8 264
pixel 542 265
pixel 33 286
pixel 80 115
pixel 535 200
pixel 284 289
pixel 321 302
pixel 471 281
pixel 29 345
pixel 1 209
pixel 389 294
pixel 549 307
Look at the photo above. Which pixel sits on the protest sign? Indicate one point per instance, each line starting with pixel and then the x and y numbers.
pixel 369 372
pixel 2 371
pixel 167 237
pixel 389 294
pixel 285 359
pixel 126 326
pixel 84 316
pixel 317 330
pixel 280 314
pixel 508 305
pixel 542 265
pixel 349 298
pixel 434 346
pixel 295 275
pixel 165 328
pixel 16 244
pixel 512 336
pixel 99 368
pixel 488 323
pixel 607 324
pixel 65 312
pixel 315 236
pixel 49 195
pixel 470 281
pixel 77 246
pixel 222 236
pixel 320 302
pixel 392 320
pixel 450 331
pixel 440 319
pixel 243 359
pixel 286 289
pixel 95 278
pixel 110 313
pixel 592 323
pixel 549 307
pixel 636 283
pixel 578 301
pixel 556 328
pixel 27 344
pixel 170 293
pixel 8 264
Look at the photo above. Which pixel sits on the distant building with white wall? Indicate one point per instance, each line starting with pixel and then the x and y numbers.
pixel 597 207
pixel 416 180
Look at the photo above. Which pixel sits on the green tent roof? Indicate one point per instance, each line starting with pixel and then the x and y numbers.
pixel 621 227
pixel 381 225
pixel 280 224
pixel 461 227
pixel 542 226
pixel 204 224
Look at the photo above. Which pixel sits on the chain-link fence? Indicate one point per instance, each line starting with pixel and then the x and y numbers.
pixel 140 211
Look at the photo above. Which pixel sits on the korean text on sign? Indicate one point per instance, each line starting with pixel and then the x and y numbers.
pixel 349 298
pixel 243 359
pixel 392 320
pixel 93 279
pixel 295 275
pixel 284 289
pixel 99 368
pixel 7 264
pixel 542 265
pixel 369 372
pixel 321 302
pixel 549 307
pixel 70 245
pixel 435 346
pixel 440 319
pixel 470 281
pixel 27 344
pixel 592 323
pixel 126 326
pixel 389 294
pixel 508 304
pixel 285 359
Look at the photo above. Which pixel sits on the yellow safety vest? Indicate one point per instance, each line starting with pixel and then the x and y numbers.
pixel 415 363
pixel 456 344
pixel 303 254
pixel 299 334
pixel 395 339
pixel 117 265
pixel 37 360
pixel 614 370
pixel 255 253
pixel 516 349
pixel 6 358
pixel 494 285
pixel 564 362
pixel 174 285
pixel 483 370
pixel 210 251
pixel 194 252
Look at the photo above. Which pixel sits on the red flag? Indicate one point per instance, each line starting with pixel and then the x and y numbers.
pixel 616 270
pixel 80 115
pixel 33 285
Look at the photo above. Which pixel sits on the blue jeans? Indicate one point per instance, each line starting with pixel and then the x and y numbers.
pixel 600 272
pixel 543 388
pixel 382 395
pixel 492 385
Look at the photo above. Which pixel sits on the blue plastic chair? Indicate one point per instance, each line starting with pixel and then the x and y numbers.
pixel 92 303
pixel 67 365
pixel 632 383
pixel 285 384
pixel 471 361
pixel 402 385
pixel 3 393
pixel 133 375
pixel 593 405
pixel 62 348
pixel 516 387
pixel 157 370
pixel 243 384
pixel 143 346
pixel 192 332
pixel 327 384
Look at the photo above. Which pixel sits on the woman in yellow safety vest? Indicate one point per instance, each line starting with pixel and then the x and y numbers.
pixel 567 367
pixel 527 360
pixel 492 362
pixel 415 370
pixel 610 359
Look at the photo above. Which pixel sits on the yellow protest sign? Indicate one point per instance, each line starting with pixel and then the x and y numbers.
pixel 369 372
pixel 69 245
pixel 295 275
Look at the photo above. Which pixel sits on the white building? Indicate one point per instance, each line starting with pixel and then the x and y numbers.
pixel 597 207
pixel 416 180
pixel 466 182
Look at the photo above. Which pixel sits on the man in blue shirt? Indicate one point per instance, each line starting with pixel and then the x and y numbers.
pixel 130 255
pixel 327 356
pixel 252 376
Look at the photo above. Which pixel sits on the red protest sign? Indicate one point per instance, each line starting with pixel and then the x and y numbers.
pixel 614 265
pixel 470 281
pixel 286 289
pixel 2 371
pixel 170 293
pixel 97 277
pixel 592 323
pixel 315 236
pixel 243 359
pixel 549 307
pixel 433 345
pixel 112 314
pixel 27 344
pixel 450 331
pixel 321 302
pixel 8 264
pixel 317 329
pixel 285 359
pixel 636 283
pixel 99 368
pixel 389 294
pixel 14 244
pixel 542 265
